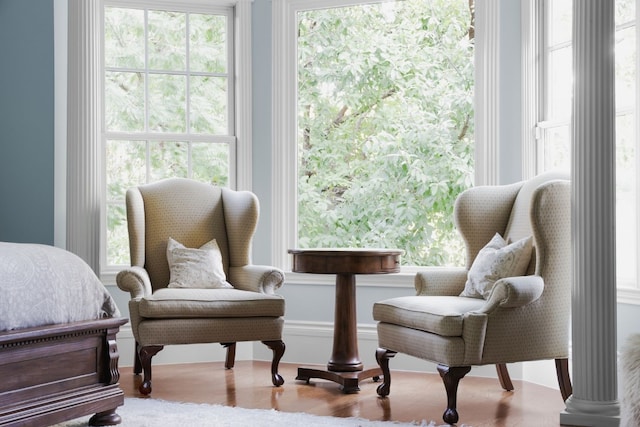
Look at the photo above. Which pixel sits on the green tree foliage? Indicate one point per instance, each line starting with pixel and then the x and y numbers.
pixel 166 74
pixel 385 126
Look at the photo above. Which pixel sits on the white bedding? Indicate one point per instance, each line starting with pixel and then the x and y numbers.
pixel 44 285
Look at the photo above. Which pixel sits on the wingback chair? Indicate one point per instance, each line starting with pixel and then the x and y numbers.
pixel 211 292
pixel 522 314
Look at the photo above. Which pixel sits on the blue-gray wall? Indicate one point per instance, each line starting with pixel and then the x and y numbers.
pixel 26 121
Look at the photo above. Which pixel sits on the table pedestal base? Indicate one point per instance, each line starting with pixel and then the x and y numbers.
pixel 344 367
pixel 348 380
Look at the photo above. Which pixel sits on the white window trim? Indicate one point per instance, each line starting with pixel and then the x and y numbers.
pixel 284 84
pixel 487 92
pixel 532 14
pixel 628 296
pixel 83 182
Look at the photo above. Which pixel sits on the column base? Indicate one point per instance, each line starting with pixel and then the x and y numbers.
pixel 579 412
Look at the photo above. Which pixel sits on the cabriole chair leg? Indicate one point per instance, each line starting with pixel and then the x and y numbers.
pixel 278 348
pixel 145 354
pixel 503 376
pixel 451 378
pixel 137 366
pixel 382 357
pixel 564 381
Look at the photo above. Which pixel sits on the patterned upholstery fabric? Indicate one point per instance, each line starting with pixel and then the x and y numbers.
pixel 235 329
pixel 180 303
pixel 441 315
pixel 524 318
pixel 194 213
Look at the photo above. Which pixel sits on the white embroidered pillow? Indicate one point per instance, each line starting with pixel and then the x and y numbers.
pixel 495 261
pixel 196 268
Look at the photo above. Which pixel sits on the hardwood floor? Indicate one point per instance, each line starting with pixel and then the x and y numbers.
pixel 413 397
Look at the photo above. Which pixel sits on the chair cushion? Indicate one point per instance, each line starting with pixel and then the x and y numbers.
pixel 495 261
pixel 196 268
pixel 441 315
pixel 209 303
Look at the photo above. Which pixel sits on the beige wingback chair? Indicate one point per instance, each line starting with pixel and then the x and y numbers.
pixel 522 318
pixel 194 213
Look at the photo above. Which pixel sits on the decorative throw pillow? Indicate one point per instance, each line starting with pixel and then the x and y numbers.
pixel 196 268
pixel 495 261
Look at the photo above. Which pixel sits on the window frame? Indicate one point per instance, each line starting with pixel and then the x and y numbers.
pixel 284 104
pixel 149 137
pixel 90 96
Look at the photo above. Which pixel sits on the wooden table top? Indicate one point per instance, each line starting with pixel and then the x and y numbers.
pixel 346 260
pixel 343 251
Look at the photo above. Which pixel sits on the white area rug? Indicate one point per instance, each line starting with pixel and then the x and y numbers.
pixel 158 413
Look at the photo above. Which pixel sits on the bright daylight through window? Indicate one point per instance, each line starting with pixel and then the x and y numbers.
pixel 168 104
pixel 385 133
pixel 555 141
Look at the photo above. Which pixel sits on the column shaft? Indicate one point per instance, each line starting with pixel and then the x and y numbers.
pixel 594 400
pixel 84 174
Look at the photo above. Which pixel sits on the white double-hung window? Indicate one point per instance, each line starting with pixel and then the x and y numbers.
pixel 171 102
pixel 374 125
pixel 553 128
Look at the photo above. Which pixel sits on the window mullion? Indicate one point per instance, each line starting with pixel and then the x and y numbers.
pixel 187 94
pixel 146 75
pixel 533 34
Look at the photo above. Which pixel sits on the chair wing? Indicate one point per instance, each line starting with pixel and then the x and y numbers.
pixel 241 211
pixel 188 211
pixel 482 211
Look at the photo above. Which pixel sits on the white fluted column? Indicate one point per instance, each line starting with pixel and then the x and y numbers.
pixel 594 400
pixel 83 130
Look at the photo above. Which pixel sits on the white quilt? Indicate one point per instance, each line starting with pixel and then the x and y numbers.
pixel 44 285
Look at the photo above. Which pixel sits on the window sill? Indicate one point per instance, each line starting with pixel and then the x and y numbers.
pixel 629 296
pixel 404 279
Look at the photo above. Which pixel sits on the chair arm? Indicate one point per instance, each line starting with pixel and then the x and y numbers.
pixel 440 281
pixel 257 278
pixel 134 280
pixel 512 292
